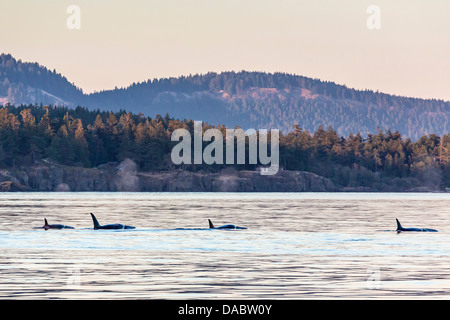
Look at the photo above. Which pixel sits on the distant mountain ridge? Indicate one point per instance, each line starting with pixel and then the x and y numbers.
pixel 246 99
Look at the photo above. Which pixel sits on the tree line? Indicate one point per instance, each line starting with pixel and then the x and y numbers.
pixel 89 138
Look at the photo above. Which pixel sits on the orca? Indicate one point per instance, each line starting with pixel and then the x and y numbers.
pixel 401 229
pixel 55 226
pixel 224 227
pixel 109 226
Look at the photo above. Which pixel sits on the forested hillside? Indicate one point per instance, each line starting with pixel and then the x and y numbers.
pixel 247 99
pixel 22 82
pixel 80 137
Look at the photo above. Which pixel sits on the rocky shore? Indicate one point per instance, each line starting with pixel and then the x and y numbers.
pixel 124 177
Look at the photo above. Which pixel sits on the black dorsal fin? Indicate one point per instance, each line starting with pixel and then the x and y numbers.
pixel 94 219
pixel 399 226
pixel 211 226
pixel 46 223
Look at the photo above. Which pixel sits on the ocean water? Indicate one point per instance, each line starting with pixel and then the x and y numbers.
pixel 297 246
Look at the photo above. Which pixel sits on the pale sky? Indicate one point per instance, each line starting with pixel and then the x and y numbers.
pixel 121 42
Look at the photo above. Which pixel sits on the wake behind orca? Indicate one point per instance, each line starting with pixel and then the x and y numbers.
pixel 224 227
pixel 401 229
pixel 97 225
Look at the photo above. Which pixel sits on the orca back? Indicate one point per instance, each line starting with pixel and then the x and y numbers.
pixel 55 226
pixel 400 228
pixel 227 226
pixel 224 227
pixel 113 226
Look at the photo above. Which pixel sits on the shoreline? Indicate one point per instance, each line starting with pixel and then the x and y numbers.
pixel 123 177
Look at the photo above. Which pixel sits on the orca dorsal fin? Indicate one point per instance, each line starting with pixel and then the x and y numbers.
pixel 399 226
pixel 94 219
pixel 46 223
pixel 211 226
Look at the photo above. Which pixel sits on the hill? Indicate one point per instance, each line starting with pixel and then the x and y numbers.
pixel 25 83
pixel 247 99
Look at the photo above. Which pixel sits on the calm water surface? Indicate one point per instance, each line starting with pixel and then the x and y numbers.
pixel 297 246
